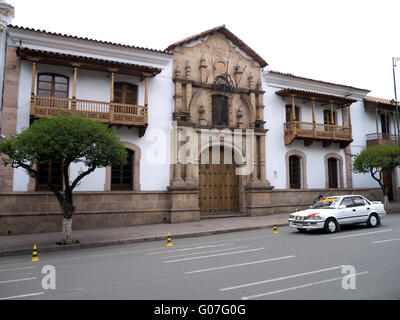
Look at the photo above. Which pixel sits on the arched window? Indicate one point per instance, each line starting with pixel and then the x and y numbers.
pixel 334 171
pixel 122 177
pixel 125 93
pixel 295 172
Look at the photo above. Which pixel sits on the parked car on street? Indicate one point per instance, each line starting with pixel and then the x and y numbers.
pixel 330 213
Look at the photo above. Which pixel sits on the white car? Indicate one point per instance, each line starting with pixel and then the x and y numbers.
pixel 332 212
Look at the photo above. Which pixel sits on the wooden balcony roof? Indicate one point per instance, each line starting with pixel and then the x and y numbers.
pixel 69 60
pixel 372 103
pixel 322 97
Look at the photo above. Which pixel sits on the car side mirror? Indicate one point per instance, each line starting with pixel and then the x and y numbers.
pixel 342 206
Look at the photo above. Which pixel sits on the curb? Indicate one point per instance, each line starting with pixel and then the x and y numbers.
pixel 99 244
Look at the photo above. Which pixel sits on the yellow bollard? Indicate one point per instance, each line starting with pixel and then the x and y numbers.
pixel 275 229
pixel 34 255
pixel 169 243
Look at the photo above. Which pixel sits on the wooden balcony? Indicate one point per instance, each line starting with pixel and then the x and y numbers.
pixel 112 113
pixel 375 139
pixel 310 132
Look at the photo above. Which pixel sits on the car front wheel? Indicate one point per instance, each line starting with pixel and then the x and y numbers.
pixel 330 226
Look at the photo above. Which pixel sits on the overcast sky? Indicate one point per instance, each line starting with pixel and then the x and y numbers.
pixel 347 42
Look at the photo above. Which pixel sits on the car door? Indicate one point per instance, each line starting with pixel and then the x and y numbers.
pixel 362 209
pixel 347 215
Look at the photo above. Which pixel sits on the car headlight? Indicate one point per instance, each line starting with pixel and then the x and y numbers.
pixel 314 218
pixel 292 216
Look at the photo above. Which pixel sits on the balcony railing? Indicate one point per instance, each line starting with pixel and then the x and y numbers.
pixel 374 139
pixel 317 132
pixel 112 113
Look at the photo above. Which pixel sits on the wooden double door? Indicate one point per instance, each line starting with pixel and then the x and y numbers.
pixel 219 186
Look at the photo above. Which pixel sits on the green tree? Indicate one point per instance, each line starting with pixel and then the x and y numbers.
pixel 73 139
pixel 375 160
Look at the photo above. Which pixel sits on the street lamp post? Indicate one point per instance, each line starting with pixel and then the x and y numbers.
pixel 394 60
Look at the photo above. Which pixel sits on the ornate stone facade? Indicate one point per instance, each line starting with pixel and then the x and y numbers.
pixel 211 66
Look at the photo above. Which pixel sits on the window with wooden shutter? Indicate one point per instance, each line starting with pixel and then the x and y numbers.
pixel 54 85
pixel 328 119
pixel 333 171
pixel 122 176
pixel 52 171
pixel 219 110
pixel 295 172
pixel 125 93
pixel 288 113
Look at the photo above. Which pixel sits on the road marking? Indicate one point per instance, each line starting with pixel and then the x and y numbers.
pixel 279 279
pixel 388 240
pixel 23 296
pixel 193 248
pixel 238 265
pixel 298 287
pixel 204 252
pixel 18 280
pixel 361 234
pixel 215 255
pixel 4 270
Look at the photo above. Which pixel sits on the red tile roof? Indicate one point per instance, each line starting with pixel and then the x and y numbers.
pixel 379 100
pixel 88 62
pixel 88 39
pixel 317 95
pixel 320 81
pixel 229 35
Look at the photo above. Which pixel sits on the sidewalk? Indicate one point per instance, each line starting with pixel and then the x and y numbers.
pixel 46 242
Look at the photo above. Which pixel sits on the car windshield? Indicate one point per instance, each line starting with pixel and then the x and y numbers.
pixel 325 203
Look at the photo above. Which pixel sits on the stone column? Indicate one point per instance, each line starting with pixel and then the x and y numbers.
pixel 10 111
pixel 178 91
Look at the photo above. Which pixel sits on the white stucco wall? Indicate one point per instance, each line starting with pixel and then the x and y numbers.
pixel 274 115
pixel 363 123
pixel 94 85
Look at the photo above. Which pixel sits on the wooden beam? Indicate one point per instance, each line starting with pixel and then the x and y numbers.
pixel 327 143
pixel 332 120
pixel 308 142
pixel 73 105
pixel 33 78
pixel 112 87
pixel 146 92
pixel 292 115
pixel 313 117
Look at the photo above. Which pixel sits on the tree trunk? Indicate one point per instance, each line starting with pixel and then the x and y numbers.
pixel 68 209
pixel 386 197
pixel 386 201
pixel 67 230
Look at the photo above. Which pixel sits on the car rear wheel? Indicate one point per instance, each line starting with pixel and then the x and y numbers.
pixel 372 221
pixel 330 226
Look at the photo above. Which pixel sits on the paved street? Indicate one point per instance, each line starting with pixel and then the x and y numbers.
pixel 245 265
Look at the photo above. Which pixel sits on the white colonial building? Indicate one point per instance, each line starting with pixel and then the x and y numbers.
pixel 304 132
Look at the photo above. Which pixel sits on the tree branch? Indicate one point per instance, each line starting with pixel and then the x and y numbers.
pixel 81 176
